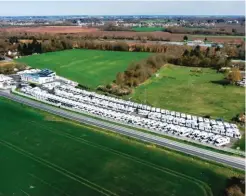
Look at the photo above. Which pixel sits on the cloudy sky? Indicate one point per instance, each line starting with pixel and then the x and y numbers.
pixel 17 8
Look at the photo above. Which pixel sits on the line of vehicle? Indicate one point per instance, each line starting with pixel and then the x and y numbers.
pixel 232 161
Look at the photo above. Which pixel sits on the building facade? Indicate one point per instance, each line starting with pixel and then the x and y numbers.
pixel 40 77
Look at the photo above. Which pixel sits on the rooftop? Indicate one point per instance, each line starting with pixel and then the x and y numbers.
pixel 42 73
pixel 4 78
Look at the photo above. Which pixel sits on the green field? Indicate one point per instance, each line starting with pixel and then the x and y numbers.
pixel 147 29
pixel 41 154
pixel 216 36
pixel 88 67
pixel 179 89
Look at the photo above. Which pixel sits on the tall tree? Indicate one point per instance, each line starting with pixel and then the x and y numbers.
pixel 234 76
pixel 120 78
pixel 185 38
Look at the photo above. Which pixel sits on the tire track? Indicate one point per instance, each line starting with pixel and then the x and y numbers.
pixel 59 169
pixel 48 184
pixel 206 189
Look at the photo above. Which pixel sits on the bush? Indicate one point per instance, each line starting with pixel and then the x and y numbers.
pixel 235 187
pixel 234 76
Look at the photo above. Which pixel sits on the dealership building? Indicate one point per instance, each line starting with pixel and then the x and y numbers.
pixel 43 76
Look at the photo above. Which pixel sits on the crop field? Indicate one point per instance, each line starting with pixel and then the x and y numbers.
pixel 42 154
pixel 178 88
pixel 147 29
pixel 50 29
pixel 87 67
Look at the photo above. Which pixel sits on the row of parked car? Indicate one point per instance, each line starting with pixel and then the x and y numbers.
pixel 171 117
pixel 66 99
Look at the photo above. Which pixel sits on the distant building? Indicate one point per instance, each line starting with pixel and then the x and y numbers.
pixel 40 77
pixel 12 53
pixel 6 82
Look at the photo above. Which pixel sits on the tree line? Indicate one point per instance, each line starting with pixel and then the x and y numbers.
pixel 138 72
pixel 30 48
pixel 64 44
pixel 49 43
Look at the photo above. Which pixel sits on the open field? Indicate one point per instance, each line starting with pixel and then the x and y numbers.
pixel 165 35
pixel 147 29
pixel 88 67
pixel 219 39
pixel 4 63
pixel 49 29
pixel 57 157
pixel 179 89
pixel 8 63
pixel 94 32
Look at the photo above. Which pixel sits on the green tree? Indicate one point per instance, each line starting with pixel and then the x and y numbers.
pixel 186 53
pixel 185 38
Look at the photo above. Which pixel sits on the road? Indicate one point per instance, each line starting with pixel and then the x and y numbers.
pixel 236 162
pixel 7 59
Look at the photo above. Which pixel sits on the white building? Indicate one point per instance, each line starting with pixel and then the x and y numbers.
pixel 40 77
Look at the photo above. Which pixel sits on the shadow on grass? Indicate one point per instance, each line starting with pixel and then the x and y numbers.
pixel 223 82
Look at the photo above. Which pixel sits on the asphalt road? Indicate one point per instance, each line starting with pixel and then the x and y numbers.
pixel 236 162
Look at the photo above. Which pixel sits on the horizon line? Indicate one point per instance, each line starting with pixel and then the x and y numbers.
pixel 125 15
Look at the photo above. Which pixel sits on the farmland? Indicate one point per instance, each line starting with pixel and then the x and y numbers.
pixel 147 29
pixel 177 88
pixel 154 32
pixel 88 67
pixel 49 29
pixel 58 157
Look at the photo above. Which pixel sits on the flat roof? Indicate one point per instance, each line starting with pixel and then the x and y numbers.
pixel 42 73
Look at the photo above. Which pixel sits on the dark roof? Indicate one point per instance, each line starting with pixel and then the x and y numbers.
pixel 42 73
pixel 45 72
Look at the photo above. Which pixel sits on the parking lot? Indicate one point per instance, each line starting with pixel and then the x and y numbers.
pixel 199 129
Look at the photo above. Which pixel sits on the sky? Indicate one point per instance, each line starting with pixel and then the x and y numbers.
pixel 30 8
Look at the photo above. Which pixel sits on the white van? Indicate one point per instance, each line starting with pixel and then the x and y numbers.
pixel 205 138
pixel 222 141
pixel 185 132
pixel 212 139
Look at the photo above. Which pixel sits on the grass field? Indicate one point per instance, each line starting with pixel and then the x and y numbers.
pixel 41 154
pixel 179 89
pixel 147 29
pixel 88 67
pixel 222 36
